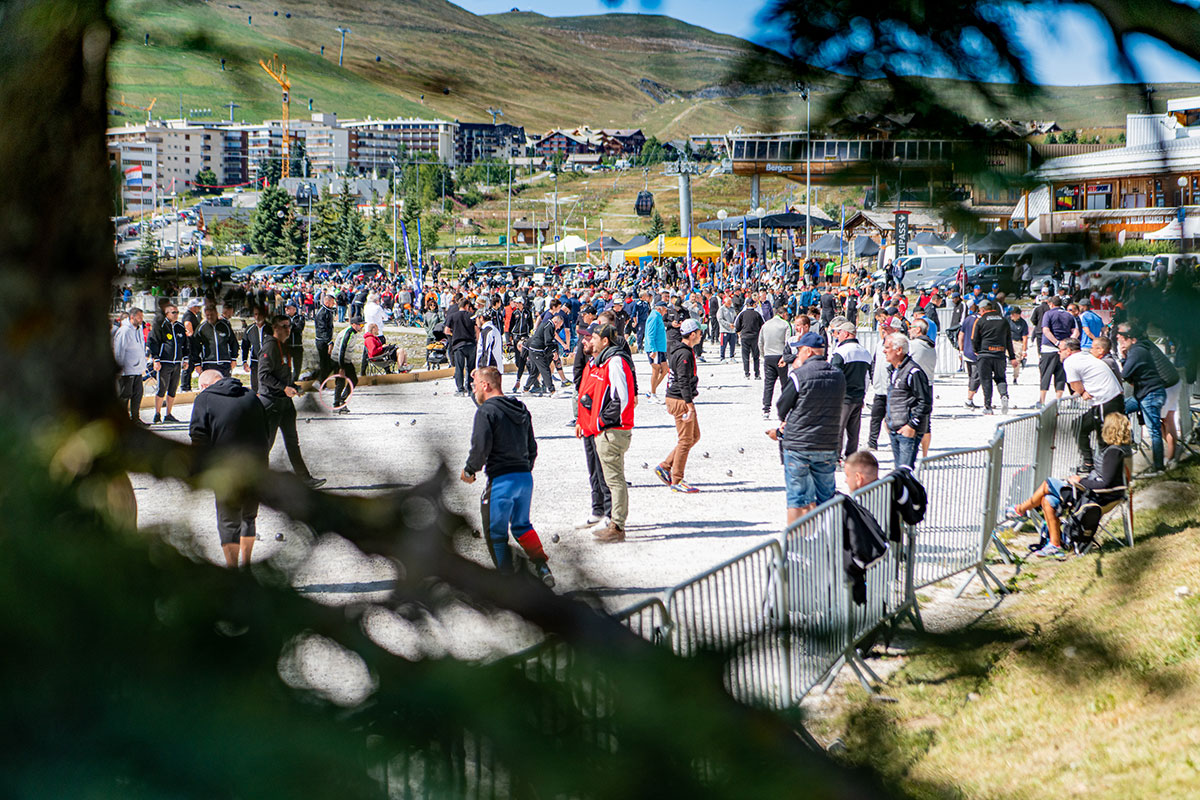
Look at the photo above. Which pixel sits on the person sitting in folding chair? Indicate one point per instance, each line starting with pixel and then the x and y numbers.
pixel 379 354
pixel 1104 485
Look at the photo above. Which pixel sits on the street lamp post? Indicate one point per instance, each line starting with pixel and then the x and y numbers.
pixel 1182 183
pixel 807 171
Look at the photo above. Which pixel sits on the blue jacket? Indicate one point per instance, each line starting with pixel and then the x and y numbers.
pixel 656 334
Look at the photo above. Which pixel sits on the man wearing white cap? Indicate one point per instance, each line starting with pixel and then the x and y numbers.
pixel 680 400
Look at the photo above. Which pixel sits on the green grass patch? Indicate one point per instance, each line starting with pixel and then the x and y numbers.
pixel 1085 683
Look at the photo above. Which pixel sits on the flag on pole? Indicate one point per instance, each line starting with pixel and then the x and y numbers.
pixel 745 250
pixel 691 278
pixel 420 258
pixel 407 251
pixel 133 175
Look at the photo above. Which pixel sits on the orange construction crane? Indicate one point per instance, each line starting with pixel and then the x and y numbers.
pixel 147 109
pixel 278 70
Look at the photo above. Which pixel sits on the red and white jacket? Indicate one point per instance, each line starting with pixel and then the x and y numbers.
pixel 607 396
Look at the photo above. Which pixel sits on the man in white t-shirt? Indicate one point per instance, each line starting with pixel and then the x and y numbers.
pixel 1091 379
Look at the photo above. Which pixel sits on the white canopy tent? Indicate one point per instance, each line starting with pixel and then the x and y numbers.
pixel 566 247
pixel 1191 230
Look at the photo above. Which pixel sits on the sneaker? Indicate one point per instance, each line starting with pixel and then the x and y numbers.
pixel 157 419
pixel 872 445
pixel 684 487
pixel 572 423
pixel 169 418
pixel 460 393
pixel 1011 514
pixel 663 475
pixel 987 411
pixel 1050 551
pixel 314 483
pixel 610 535
pixel 1003 405
pixel 516 390
pixel 342 410
pixel 542 570
pixel 584 524
pixel 970 404
pixel 1084 469
pixel 603 523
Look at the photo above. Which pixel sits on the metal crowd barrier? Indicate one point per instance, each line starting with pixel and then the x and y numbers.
pixel 782 613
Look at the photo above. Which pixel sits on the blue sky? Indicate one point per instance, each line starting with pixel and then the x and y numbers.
pixel 1067 44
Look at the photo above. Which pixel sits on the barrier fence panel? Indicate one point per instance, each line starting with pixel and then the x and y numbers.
pixel 647 619
pixel 948 358
pixel 1045 442
pixel 948 539
pixel 736 609
pixel 1067 422
pixel 817 600
pixel 1018 459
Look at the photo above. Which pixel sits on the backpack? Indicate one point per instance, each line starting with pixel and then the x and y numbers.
pixel 1166 370
pixel 863 543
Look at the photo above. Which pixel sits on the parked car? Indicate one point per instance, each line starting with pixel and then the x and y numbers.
pixel 1122 272
pixel 984 276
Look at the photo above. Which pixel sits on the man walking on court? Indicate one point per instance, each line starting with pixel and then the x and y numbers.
pixel 503 445
pixel 681 394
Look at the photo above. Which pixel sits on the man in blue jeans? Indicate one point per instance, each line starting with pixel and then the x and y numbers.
pixel 810 407
pixel 909 401
pixel 502 444
pixel 1149 389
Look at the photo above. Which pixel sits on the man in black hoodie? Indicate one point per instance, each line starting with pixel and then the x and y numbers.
pixel 502 444
pixel 276 388
pixel 992 340
pixel 228 420
pixel 746 325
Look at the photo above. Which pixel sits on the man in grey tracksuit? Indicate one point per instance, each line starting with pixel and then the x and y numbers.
pixel 725 318
pixel 772 343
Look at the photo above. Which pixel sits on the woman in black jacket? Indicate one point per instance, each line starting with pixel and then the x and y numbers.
pixel 1107 480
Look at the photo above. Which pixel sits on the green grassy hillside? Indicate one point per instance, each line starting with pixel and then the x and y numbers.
pixel 437 60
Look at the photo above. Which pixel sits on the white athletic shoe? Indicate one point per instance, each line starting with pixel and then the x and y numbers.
pixel 604 524
pixel 590 522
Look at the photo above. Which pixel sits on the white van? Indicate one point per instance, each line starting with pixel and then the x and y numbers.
pixel 921 270
pixel 1173 261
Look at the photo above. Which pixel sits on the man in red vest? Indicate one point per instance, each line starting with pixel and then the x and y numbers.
pixel 607 397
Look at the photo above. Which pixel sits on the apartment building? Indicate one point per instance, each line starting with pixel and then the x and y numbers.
pixel 379 140
pixel 138 165
pixel 483 141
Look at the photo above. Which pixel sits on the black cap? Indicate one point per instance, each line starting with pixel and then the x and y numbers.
pixel 356 320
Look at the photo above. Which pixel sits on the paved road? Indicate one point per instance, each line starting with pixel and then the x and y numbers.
pixel 395 433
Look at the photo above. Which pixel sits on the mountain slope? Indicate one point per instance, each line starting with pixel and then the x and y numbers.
pixel 436 59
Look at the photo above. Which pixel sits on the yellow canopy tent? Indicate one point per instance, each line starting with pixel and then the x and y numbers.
pixel 674 247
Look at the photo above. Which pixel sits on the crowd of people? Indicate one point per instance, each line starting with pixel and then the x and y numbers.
pixel 800 339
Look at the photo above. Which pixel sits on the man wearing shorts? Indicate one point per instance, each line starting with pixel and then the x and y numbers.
pixel 169 349
pixel 810 407
pixel 656 348
pixel 228 420
pixel 503 445
pixel 1057 325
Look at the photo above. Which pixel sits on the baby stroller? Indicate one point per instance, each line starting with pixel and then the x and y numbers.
pixel 435 351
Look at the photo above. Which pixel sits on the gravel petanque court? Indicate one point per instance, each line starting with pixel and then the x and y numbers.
pixel 394 435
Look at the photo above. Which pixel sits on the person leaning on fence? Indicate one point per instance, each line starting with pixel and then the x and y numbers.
pixel 1141 370
pixel 909 401
pixel 1057 496
pixel 810 408
pixel 1091 379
